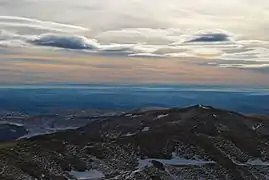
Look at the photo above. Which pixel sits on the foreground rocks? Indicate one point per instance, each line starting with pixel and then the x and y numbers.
pixel 198 142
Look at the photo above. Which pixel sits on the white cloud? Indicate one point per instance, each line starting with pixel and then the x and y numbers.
pixel 138 35
pixel 22 22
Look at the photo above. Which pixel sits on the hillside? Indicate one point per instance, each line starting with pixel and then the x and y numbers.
pixel 197 142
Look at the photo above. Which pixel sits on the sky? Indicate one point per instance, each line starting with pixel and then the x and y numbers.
pixel 134 41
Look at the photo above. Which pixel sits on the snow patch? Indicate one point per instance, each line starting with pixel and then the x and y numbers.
pixel 161 116
pixel 11 123
pixel 13 130
pixel 45 131
pixel 175 161
pixel 251 162
pixel 202 106
pixel 256 126
pixel 132 116
pixel 145 129
pixel 135 116
pixel 129 134
pixel 87 175
pixel 257 162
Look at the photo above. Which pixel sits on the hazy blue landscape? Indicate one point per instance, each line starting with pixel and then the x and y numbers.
pixel 49 99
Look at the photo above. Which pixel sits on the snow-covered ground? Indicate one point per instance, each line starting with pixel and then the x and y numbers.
pixel 161 116
pixel 47 124
pixel 257 162
pixel 130 134
pixel 145 129
pixel 256 126
pixel 132 115
pixel 175 160
pixel 87 175
pixel 11 123
pixel 37 132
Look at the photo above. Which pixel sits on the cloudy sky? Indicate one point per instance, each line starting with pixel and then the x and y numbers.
pixel 134 41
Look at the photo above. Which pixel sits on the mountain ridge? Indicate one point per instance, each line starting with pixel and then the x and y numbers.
pixel 179 143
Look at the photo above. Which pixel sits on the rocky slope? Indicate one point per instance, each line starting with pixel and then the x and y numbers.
pixel 198 142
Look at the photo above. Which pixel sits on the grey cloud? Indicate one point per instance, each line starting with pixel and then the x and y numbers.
pixel 210 37
pixel 64 41
pixel 83 43
pixel 75 42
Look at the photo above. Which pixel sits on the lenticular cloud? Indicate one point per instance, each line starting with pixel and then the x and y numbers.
pixel 64 41
pixel 211 37
pixel 69 41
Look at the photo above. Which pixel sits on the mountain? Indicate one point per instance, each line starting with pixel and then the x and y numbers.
pixel 50 123
pixel 198 142
pixel 9 131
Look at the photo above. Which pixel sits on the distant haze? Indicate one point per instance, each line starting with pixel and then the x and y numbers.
pixel 55 99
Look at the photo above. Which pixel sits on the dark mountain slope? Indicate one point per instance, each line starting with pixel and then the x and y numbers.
pixel 198 142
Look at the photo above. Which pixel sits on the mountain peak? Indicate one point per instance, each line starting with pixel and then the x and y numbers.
pixel 190 143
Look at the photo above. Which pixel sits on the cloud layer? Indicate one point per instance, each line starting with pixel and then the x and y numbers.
pixel 217 47
pixel 134 41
